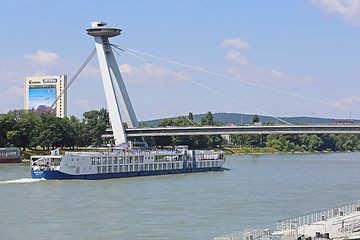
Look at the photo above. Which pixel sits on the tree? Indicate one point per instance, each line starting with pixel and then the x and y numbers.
pixel 25 125
pixel 7 123
pixel 191 117
pixel 255 119
pixel 80 134
pixel 208 120
pixel 166 122
pixel 13 139
pixel 96 123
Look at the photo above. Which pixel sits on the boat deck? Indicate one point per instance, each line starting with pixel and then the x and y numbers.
pixel 336 223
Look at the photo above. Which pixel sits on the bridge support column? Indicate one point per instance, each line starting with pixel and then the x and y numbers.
pixel 115 90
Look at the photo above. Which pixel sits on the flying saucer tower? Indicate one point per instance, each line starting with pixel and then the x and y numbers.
pixel 115 91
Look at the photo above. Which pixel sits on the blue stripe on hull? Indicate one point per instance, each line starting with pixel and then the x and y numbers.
pixel 57 175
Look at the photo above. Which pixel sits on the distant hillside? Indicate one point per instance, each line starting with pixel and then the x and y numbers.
pixel 238 119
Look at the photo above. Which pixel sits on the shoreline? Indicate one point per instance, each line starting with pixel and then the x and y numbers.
pixel 237 151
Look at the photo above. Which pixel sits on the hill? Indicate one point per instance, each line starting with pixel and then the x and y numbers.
pixel 239 119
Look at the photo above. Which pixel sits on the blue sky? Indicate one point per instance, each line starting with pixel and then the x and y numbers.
pixel 307 48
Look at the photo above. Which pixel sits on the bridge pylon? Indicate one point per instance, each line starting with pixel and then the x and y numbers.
pixel 115 91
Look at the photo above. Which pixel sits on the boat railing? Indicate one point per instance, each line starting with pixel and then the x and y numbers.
pixel 126 153
pixel 315 217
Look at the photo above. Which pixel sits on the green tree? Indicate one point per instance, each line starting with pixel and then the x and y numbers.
pixel 208 120
pixel 255 119
pixel 191 117
pixel 96 123
pixel 7 123
pixel 13 139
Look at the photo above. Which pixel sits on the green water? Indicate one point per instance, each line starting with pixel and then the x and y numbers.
pixel 255 193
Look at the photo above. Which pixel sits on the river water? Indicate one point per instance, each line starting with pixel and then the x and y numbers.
pixel 255 193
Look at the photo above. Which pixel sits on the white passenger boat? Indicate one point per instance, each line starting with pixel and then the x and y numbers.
pixel 124 163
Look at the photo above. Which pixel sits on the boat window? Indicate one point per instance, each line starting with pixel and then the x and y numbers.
pixel 109 160
pixel 177 165
pixel 120 160
pixel 115 160
pixel 92 161
pixel 130 168
pixel 151 167
pixel 136 159
pixel 104 169
pixel 98 169
pixel 120 168
pixel 98 161
pixel 115 169
pixel 110 169
pixel 136 168
pixel 104 160
pixel 125 168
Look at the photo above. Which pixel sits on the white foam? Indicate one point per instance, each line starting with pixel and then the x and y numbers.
pixel 22 180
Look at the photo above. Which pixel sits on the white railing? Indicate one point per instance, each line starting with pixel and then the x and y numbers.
pixel 311 218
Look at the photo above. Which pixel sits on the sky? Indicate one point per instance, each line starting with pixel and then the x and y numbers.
pixel 279 58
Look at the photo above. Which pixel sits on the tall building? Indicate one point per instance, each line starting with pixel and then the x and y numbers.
pixel 42 91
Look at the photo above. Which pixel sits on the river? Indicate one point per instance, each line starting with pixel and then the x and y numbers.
pixel 255 193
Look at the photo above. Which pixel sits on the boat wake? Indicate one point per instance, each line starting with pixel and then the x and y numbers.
pixel 22 180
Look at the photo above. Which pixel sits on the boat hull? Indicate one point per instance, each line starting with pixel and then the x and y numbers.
pixel 57 175
pixel 10 160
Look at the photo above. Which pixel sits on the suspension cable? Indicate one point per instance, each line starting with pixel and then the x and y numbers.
pixel 74 77
pixel 206 87
pixel 153 87
pixel 241 80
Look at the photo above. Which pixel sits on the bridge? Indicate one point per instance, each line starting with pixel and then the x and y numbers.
pixel 248 129
pixel 117 98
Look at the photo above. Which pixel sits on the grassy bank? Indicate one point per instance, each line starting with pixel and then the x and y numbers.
pixel 247 150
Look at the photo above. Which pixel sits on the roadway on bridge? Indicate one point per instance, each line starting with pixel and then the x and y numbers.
pixel 248 129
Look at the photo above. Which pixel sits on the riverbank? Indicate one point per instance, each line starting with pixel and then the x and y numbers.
pixel 265 150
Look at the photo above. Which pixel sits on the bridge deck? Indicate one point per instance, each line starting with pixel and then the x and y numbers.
pixel 249 129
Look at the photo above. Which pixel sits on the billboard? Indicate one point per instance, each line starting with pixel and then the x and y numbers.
pixel 40 99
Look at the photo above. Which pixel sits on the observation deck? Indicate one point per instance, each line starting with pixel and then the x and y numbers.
pixel 99 29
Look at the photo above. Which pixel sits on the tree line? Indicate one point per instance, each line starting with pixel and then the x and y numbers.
pixel 194 142
pixel 278 142
pixel 26 129
pixel 298 143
